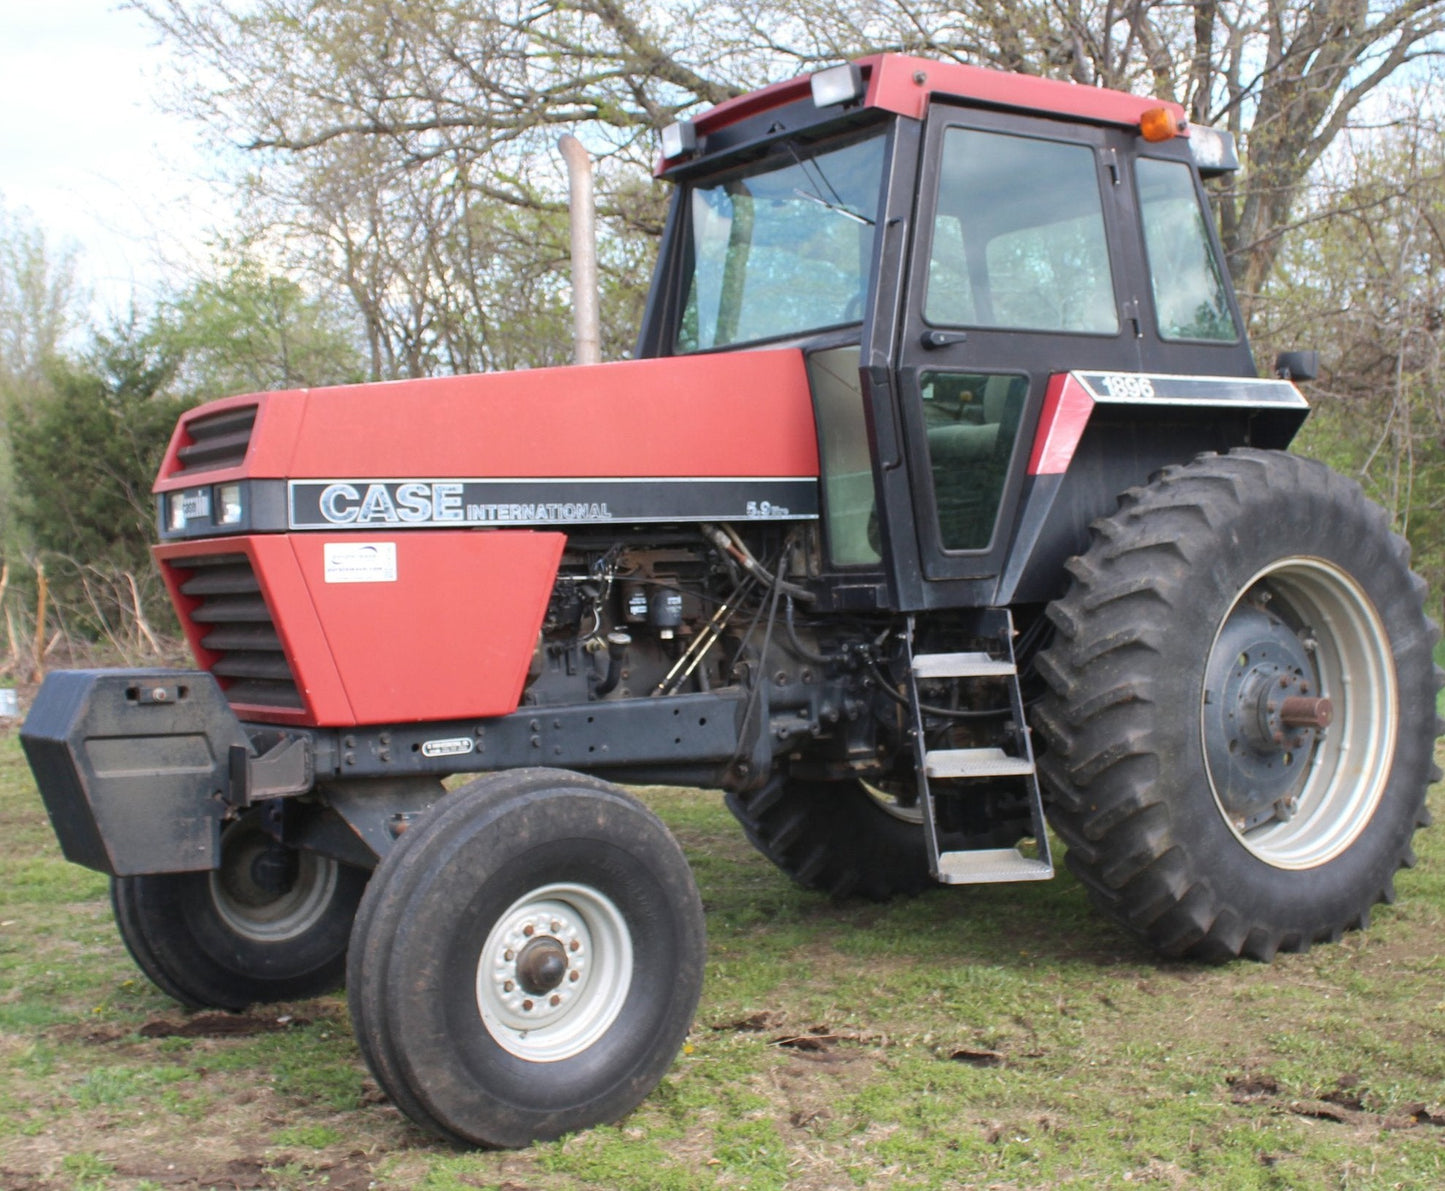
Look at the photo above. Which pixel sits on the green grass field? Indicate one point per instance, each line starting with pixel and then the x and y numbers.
pixel 1002 1037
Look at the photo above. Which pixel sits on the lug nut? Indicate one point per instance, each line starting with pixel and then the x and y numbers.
pixel 555 1001
pixel 527 1005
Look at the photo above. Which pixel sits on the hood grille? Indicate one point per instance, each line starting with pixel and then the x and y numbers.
pixel 237 625
pixel 217 441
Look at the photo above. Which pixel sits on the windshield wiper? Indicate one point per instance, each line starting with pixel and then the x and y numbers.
pixel 841 210
pixel 815 195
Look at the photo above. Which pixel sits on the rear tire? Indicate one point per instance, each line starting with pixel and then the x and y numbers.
pixel 1192 813
pixel 527 960
pixel 271 924
pixel 841 837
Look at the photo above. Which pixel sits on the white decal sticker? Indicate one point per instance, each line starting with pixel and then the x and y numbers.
pixel 1126 386
pixel 369 562
pixel 195 505
pixel 459 746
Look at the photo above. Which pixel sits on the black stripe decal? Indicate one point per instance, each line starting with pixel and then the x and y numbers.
pixel 456 503
pixel 1137 388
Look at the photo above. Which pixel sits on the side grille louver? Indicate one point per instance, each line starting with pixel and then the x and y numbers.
pixel 218 441
pixel 239 627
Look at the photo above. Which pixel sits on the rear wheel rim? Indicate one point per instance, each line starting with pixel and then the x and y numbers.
pixel 1347 766
pixel 554 972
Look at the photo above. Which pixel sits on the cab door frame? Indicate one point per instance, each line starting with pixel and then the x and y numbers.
pixel 922 573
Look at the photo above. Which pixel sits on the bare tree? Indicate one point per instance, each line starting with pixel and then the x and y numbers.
pixel 386 135
pixel 1367 265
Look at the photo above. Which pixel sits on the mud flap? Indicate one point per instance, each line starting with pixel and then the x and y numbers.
pixel 133 766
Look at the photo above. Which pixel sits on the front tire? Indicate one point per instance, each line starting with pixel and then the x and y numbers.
pixel 1199 810
pixel 527 960
pixel 271 924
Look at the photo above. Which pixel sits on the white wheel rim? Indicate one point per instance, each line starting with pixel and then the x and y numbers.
pixel 260 914
pixel 1350 765
pixel 541 1021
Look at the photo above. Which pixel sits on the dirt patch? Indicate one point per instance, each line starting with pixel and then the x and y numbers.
pixel 1409 1116
pixel 755 1023
pixel 219 1025
pixel 1252 1087
pixel 252 1173
pixel 1345 1105
pixel 14 1180
pixel 978 1058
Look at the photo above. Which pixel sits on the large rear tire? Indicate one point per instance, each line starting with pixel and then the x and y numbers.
pixel 844 838
pixel 527 959
pixel 1200 811
pixel 271 924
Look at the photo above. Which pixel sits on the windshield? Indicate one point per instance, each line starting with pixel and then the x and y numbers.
pixel 783 248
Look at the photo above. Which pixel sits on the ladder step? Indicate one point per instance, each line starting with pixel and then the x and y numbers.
pixel 990 865
pixel 961 665
pixel 975 763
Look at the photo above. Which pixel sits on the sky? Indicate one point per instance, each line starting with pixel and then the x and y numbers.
pixel 86 153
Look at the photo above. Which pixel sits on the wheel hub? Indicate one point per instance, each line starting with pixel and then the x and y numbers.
pixel 274 870
pixel 542 965
pixel 1263 716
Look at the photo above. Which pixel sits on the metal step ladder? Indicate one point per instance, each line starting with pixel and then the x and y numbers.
pixel 954 771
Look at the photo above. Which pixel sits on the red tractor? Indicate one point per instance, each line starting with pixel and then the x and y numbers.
pixel 941 497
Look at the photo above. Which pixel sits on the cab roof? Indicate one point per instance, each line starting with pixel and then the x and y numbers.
pixel 905 85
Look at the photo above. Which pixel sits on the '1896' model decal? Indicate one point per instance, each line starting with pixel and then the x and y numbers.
pixel 435 504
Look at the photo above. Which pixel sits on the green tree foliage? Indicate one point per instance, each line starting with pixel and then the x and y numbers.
pixel 39 299
pixel 245 329
pixel 84 460
pixel 1364 281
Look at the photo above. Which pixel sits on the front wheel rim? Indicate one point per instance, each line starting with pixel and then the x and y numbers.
pixel 1316 606
pixel 554 972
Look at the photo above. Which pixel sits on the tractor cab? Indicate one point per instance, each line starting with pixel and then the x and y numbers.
pixel 947 245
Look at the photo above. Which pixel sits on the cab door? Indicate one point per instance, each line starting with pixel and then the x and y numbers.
pixel 1017 263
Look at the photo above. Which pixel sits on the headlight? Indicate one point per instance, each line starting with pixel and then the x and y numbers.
pixel 228 504
pixel 176 512
pixel 679 139
pixel 837 84
pixel 1213 150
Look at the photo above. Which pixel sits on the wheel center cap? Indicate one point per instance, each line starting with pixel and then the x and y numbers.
pixel 541 965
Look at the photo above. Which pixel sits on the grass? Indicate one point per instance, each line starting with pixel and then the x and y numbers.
pixel 1440 661
pixel 995 1037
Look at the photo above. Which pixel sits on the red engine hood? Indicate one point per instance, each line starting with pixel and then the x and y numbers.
pixel 734 414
